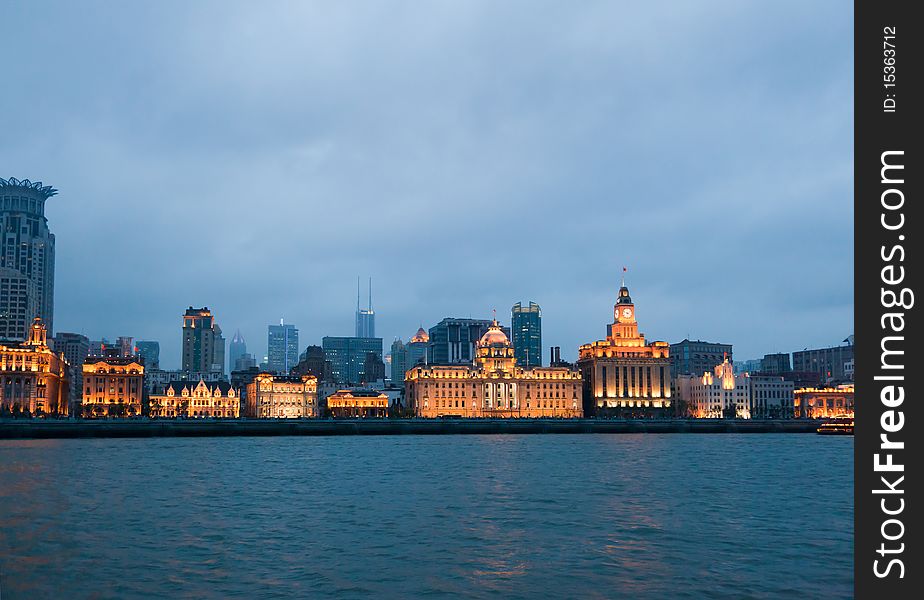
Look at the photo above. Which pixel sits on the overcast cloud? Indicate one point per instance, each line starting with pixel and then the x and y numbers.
pixel 257 157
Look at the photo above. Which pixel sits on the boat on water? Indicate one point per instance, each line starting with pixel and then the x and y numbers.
pixel 837 426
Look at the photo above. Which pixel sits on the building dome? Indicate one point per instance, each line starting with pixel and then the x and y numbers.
pixel 494 336
pixel 421 336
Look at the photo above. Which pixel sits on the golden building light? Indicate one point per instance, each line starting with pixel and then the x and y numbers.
pixel 33 378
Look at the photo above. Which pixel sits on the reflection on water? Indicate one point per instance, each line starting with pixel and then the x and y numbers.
pixel 596 516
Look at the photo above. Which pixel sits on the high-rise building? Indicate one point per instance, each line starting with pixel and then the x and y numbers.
pixel 203 344
pixel 365 317
pixel 695 357
pixel 347 356
pixel 452 341
pixel 775 364
pixel 406 356
pixel 28 246
pixel 373 368
pixel 244 362
pixel 149 351
pixel 18 304
pixel 282 347
pixel 75 347
pixel 526 327
pixel 236 349
pixel 625 375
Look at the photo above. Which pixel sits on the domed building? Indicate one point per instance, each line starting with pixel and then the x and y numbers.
pixel 493 386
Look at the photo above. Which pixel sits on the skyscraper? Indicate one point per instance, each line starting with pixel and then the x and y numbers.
pixel 149 351
pixel 282 347
pixel 453 341
pixel 203 344
pixel 76 348
pixel 236 349
pixel 26 246
pixel 347 356
pixel 526 326
pixel 365 317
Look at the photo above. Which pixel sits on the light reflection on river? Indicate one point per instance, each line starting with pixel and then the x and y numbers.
pixel 590 516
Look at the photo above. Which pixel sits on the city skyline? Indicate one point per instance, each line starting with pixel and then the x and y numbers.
pixel 751 247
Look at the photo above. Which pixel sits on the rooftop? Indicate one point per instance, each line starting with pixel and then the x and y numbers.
pixel 45 191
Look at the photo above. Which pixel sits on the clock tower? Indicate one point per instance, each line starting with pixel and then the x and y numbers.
pixel 624 326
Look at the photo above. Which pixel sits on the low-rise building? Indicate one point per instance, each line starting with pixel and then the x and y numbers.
pixel 33 378
pixel 357 403
pixel 271 396
pixel 113 386
pixel 826 402
pixel 494 386
pixel 721 393
pixel 191 400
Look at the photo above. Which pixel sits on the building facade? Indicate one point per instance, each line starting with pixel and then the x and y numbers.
pixel 493 385
pixel 33 377
pixel 695 357
pixel 723 393
pixel 405 356
pixel 203 344
pixel 271 396
pixel 313 362
pixel 526 334
pixel 75 347
pixel 282 347
pixel 828 363
pixel 365 317
pixel 112 387
pixel 824 402
pixel 149 351
pixel 236 349
pixel 357 403
pixel 453 341
pixel 195 400
pixel 26 246
pixel 19 304
pixel 347 357
pixel 625 375
pixel 156 380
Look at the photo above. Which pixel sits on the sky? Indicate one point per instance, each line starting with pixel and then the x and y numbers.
pixel 256 158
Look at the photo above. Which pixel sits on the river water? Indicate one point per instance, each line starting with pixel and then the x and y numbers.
pixel 568 516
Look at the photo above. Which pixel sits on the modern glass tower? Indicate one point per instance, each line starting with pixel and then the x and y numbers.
pixel 150 352
pixel 236 349
pixel 526 325
pixel 282 347
pixel 365 317
pixel 27 248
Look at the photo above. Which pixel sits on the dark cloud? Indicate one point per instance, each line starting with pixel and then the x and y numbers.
pixel 467 155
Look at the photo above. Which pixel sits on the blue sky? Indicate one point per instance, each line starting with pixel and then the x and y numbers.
pixel 467 155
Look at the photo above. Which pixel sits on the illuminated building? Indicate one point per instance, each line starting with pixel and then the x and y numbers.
pixel 493 385
pixel 358 403
pixel 282 347
pixel 347 356
pixel 191 400
pixel 819 403
pixel 404 356
pixel 112 386
pixel 526 334
pixel 33 378
pixel 624 375
pixel 452 341
pixel 695 357
pixel 721 393
pixel 203 344
pixel 27 246
pixel 156 380
pixel 271 396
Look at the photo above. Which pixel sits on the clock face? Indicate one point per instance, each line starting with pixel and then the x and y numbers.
pixel 627 312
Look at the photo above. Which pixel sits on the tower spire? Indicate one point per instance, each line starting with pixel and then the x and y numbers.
pixel 357 293
pixel 370 294
pixel 623 282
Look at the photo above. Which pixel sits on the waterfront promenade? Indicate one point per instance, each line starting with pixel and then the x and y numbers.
pixel 47 429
